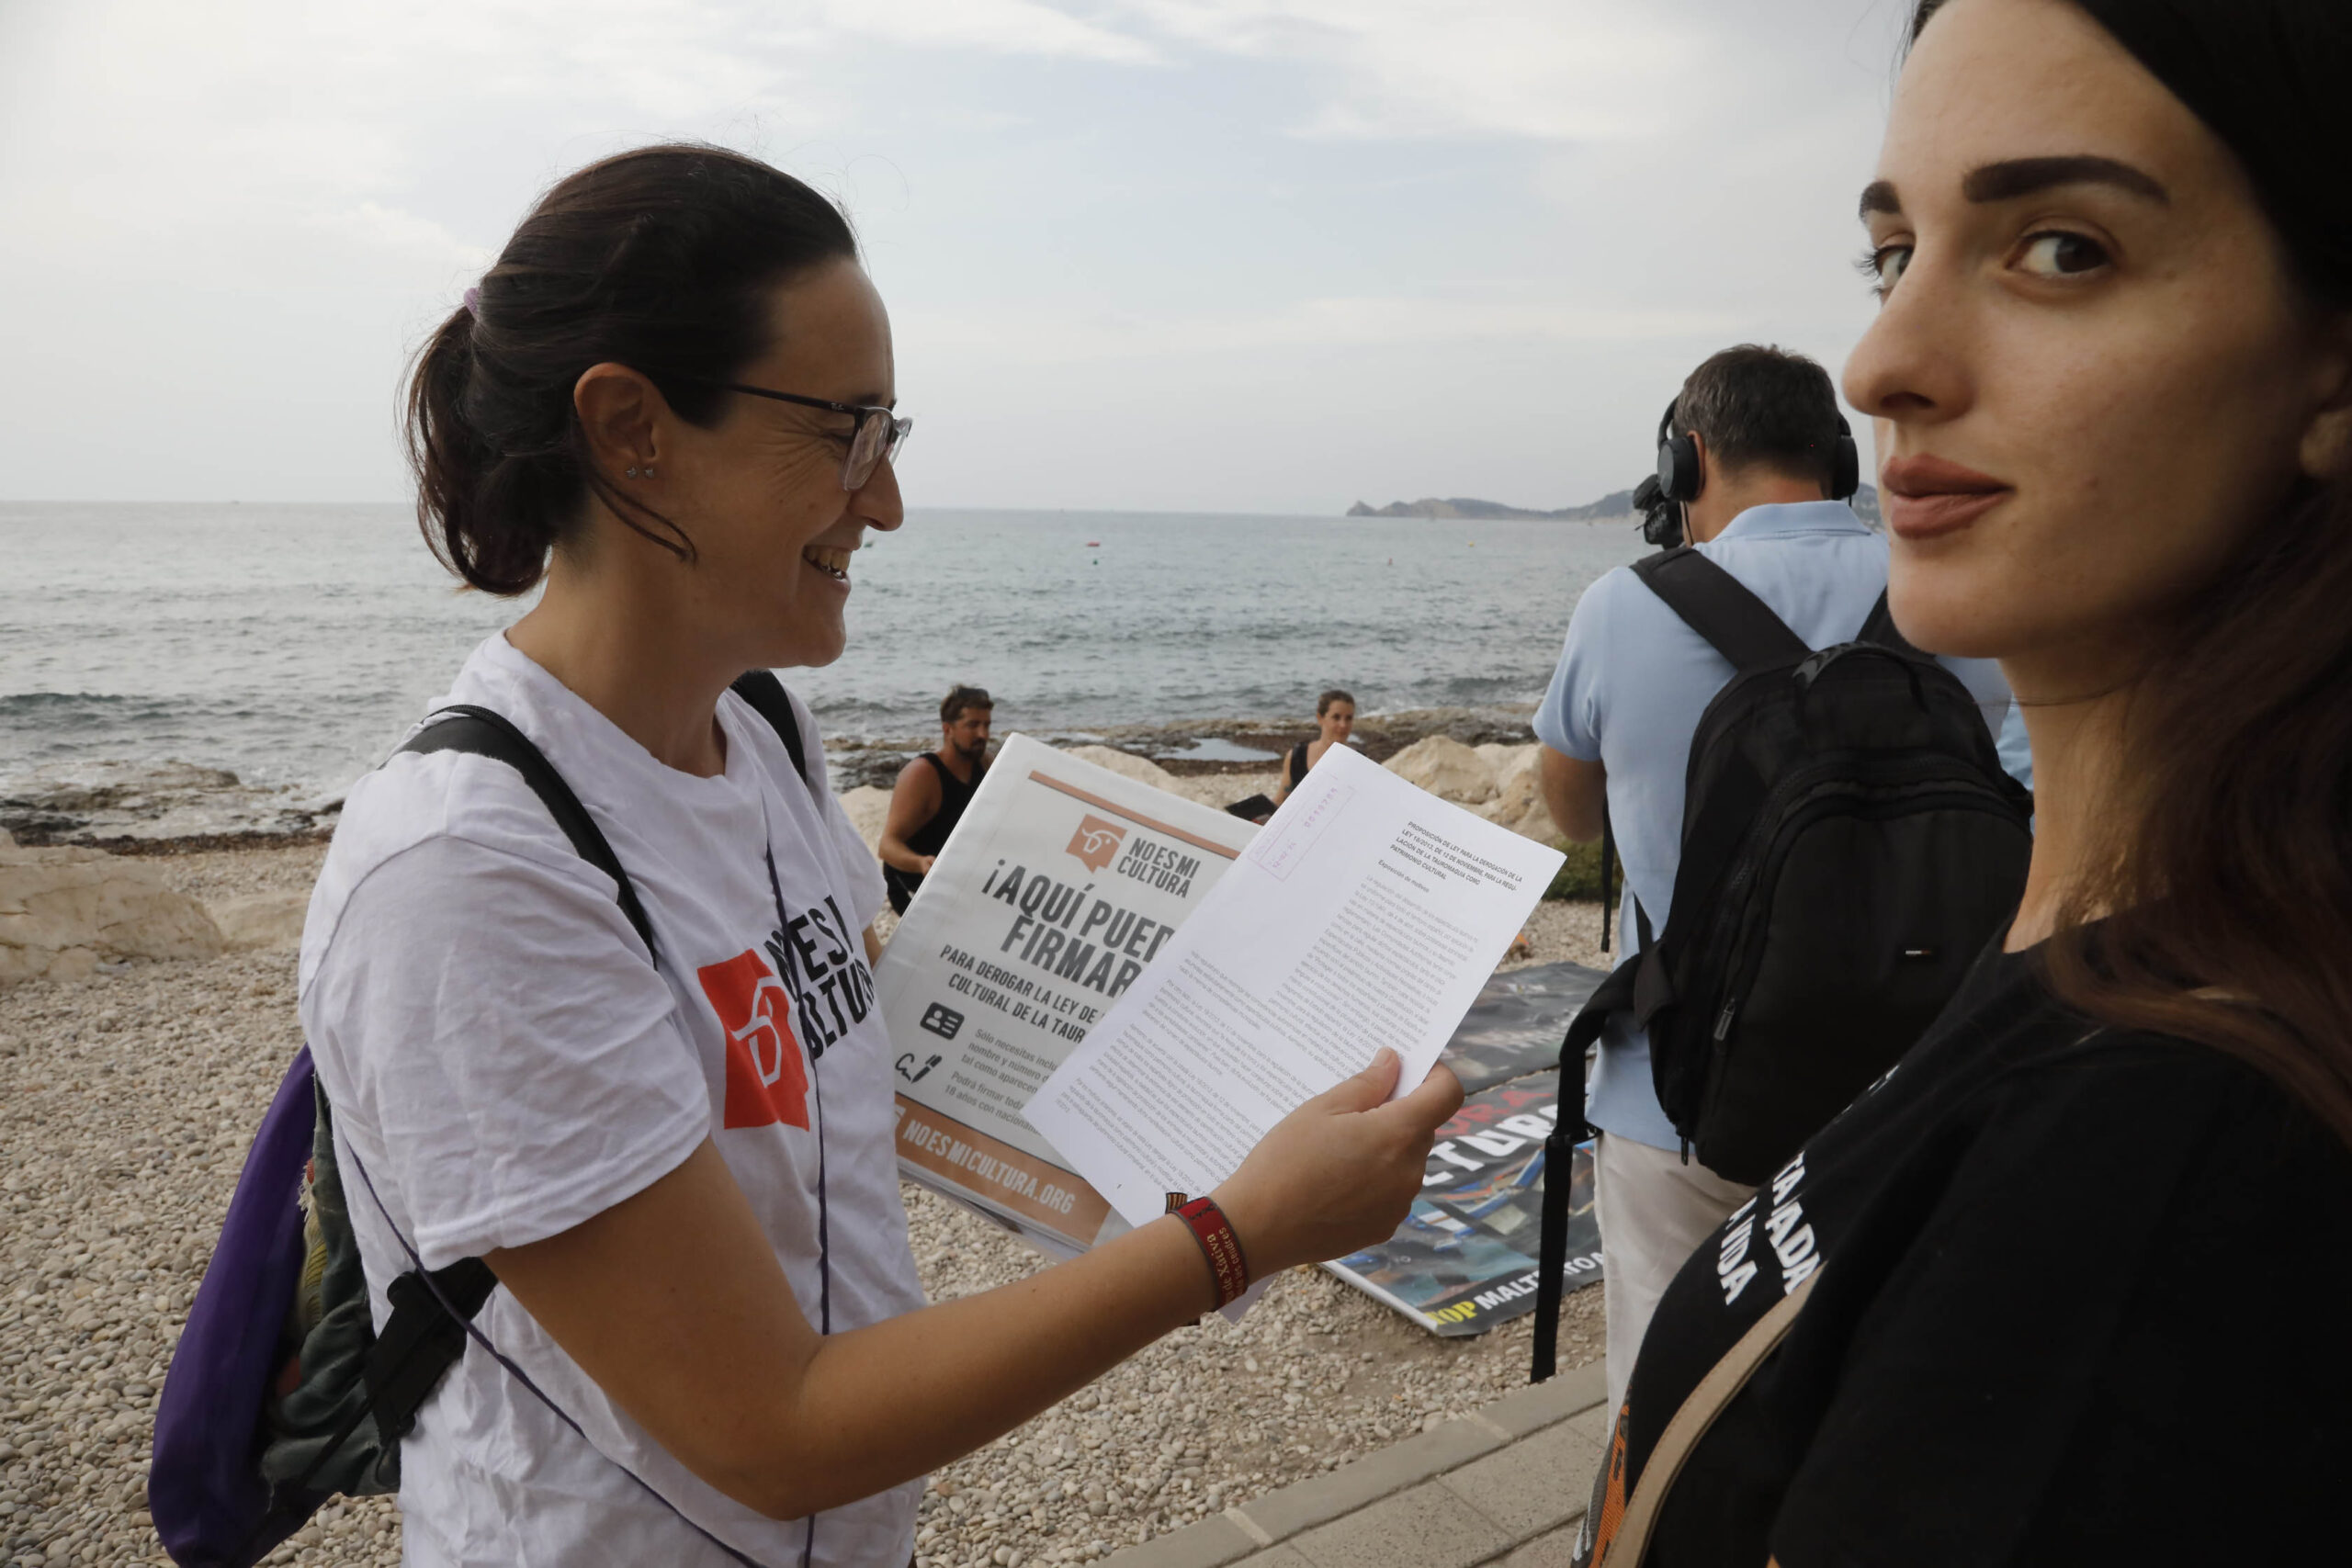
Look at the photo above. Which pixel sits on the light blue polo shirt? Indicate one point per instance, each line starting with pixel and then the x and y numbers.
pixel 1632 684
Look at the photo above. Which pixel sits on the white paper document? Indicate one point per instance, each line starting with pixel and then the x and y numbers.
pixel 1059 884
pixel 1367 912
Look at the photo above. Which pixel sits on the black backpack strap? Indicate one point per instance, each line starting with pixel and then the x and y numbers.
pixel 1551 1251
pixel 1720 608
pixel 1879 628
pixel 421 1341
pixel 768 698
pixel 433 1292
pixel 461 727
pixel 1559 1159
pixel 1608 864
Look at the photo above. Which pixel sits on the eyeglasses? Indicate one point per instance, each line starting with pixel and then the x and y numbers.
pixel 878 433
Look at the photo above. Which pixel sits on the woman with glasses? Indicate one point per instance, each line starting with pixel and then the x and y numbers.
pixel 665 1122
pixel 2069 1285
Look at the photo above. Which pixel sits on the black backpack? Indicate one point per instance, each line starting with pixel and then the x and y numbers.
pixel 1850 844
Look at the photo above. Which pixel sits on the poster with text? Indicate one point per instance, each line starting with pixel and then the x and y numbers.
pixel 1061 881
pixel 1464 1259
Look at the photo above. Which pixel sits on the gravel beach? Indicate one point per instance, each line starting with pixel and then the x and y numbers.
pixel 126 1100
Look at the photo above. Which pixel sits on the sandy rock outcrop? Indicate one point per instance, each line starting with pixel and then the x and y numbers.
pixel 1125 766
pixel 63 910
pixel 1447 769
pixel 869 808
pixel 260 921
pixel 1519 794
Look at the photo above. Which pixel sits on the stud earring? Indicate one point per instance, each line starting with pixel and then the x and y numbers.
pixel 631 473
pixel 648 471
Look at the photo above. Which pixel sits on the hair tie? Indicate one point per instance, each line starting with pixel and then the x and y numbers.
pixel 473 302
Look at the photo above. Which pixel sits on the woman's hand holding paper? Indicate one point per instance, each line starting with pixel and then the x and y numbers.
pixel 1340 1173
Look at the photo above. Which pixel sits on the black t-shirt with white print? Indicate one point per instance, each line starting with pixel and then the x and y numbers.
pixel 2084 1297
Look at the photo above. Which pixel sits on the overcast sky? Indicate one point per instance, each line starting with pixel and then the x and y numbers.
pixel 1167 255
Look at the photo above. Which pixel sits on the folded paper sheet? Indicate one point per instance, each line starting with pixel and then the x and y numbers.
pixel 1366 913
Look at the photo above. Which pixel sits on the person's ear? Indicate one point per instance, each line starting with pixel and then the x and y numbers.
pixel 2327 449
pixel 621 413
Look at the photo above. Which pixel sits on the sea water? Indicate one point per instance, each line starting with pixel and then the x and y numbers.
pixel 150 652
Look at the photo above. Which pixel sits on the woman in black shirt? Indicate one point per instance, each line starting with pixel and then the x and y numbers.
pixel 2081 1265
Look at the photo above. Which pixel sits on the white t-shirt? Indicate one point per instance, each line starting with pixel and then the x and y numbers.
pixel 505 1061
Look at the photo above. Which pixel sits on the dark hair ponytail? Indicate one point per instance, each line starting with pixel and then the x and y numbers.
pixel 660 259
pixel 2228 878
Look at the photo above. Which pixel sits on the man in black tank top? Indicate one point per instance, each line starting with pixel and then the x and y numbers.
pixel 931 792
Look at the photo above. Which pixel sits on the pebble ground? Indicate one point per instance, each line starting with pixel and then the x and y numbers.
pixel 126 1104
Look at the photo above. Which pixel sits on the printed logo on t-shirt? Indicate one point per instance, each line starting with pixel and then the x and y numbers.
pixel 803 987
pixel 823 965
pixel 765 1080
pixel 1791 1240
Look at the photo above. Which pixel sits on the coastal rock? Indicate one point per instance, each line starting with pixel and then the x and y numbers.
pixel 260 921
pixel 869 808
pixel 1140 768
pixel 1447 769
pixel 1519 794
pixel 63 910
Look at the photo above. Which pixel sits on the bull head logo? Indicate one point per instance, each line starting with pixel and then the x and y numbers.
pixel 1096 841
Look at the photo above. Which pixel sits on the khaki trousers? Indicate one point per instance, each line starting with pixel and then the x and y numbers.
pixel 1653 1211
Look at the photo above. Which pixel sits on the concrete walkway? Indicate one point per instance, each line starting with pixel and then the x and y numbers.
pixel 1506 1485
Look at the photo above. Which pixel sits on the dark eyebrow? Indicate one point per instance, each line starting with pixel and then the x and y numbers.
pixel 1879 197
pixel 2013 178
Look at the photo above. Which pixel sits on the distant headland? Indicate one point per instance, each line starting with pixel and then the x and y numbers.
pixel 1617 505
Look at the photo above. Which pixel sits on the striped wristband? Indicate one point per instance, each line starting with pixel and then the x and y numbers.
pixel 1209 1226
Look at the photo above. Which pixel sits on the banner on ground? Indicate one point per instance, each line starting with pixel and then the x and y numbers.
pixel 1060 881
pixel 1464 1259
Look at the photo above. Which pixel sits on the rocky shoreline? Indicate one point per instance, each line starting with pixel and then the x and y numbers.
pixel 131 1085
pixel 172 808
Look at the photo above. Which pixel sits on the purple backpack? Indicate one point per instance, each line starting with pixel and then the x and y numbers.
pixel 281 1392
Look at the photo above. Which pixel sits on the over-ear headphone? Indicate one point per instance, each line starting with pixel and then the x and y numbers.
pixel 1679 477
pixel 1846 465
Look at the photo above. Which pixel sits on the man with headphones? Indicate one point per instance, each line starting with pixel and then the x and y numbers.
pixel 1755 467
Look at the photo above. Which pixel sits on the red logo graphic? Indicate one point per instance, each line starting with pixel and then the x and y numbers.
pixel 765 1080
pixel 1096 841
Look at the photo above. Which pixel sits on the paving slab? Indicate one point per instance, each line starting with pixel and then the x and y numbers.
pixel 1495 1486
pixel 1212 1543
pixel 1317 1501
pixel 1428 1527
pixel 1538 1405
pixel 1534 1485
pixel 1556 1550
pixel 1284 1556
pixel 1599 1423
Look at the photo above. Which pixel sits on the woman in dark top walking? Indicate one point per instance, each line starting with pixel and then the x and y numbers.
pixel 2077 1271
